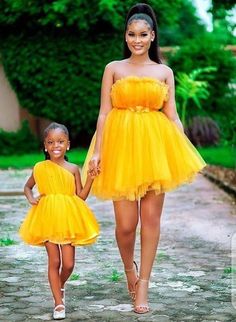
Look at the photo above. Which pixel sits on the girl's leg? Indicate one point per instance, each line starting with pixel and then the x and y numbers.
pixel 68 262
pixel 54 263
pixel 126 215
pixel 150 213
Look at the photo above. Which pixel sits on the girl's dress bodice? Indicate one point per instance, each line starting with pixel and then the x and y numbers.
pixel 59 180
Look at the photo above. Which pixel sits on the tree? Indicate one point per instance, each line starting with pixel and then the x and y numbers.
pixel 54 52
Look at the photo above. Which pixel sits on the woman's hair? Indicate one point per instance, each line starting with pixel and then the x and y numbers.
pixel 54 126
pixel 142 11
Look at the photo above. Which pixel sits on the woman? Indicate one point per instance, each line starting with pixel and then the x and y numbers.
pixel 140 146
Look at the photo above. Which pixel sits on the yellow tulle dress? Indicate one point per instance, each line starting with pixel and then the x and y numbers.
pixel 141 148
pixel 60 217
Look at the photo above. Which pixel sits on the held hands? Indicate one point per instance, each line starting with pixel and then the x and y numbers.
pixel 94 166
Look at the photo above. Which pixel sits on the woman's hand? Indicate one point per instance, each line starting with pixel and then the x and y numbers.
pixel 34 200
pixel 94 165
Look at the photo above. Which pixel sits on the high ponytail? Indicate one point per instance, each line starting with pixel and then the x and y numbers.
pixel 142 11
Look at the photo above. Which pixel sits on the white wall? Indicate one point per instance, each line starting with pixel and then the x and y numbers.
pixel 9 106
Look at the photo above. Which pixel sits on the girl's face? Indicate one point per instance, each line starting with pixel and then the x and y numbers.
pixel 56 143
pixel 139 37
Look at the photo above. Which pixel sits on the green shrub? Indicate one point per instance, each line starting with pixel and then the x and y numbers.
pixel 203 131
pixel 54 52
pixel 204 51
pixel 58 77
pixel 22 141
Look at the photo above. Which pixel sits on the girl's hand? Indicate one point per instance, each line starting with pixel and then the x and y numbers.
pixel 94 165
pixel 92 174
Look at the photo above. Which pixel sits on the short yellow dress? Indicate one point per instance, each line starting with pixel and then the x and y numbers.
pixel 60 217
pixel 141 148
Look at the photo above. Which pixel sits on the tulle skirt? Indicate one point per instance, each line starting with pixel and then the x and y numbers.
pixel 60 219
pixel 142 151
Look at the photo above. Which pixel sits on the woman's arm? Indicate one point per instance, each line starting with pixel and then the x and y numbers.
pixel 105 107
pixel 169 107
pixel 30 183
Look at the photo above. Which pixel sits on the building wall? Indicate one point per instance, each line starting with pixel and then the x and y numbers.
pixel 9 106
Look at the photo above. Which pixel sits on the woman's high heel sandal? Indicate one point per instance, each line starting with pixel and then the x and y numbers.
pixel 142 308
pixel 133 269
pixel 59 315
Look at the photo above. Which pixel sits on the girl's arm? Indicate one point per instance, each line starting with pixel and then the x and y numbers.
pixel 81 191
pixel 105 107
pixel 28 191
pixel 169 107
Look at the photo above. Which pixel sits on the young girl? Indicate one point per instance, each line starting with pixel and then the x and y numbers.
pixel 140 146
pixel 59 218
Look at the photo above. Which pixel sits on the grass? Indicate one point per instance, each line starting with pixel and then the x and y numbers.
pixel 221 155
pixel 7 241
pixel 230 270
pixel 224 156
pixel 28 160
pixel 115 276
pixel 74 277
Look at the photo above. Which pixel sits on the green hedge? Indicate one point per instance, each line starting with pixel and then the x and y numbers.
pixel 20 142
pixel 58 76
pixel 204 51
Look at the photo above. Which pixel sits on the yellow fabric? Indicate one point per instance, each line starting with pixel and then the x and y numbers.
pixel 60 217
pixel 141 148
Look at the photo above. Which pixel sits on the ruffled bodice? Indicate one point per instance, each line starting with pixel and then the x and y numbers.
pixel 59 180
pixel 139 93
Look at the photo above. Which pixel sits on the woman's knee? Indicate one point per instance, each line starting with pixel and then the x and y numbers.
pixel 126 229
pixel 54 263
pixel 68 266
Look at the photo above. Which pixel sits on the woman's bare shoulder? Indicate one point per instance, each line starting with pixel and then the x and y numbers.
pixel 115 64
pixel 165 68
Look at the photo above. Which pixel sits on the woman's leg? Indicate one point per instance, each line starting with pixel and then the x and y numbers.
pixel 54 263
pixel 126 215
pixel 150 214
pixel 68 262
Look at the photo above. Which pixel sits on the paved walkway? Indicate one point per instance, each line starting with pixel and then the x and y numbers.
pixel 191 277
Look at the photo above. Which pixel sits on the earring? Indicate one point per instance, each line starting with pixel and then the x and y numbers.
pixel 45 150
pixel 68 149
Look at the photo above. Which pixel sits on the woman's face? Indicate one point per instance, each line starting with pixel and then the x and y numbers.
pixel 139 37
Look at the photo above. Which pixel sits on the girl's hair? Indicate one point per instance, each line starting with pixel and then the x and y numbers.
pixel 54 126
pixel 142 11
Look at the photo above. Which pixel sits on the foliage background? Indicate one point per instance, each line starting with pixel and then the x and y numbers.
pixel 54 53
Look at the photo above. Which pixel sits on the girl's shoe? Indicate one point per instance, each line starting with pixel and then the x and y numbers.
pixel 63 295
pixel 141 308
pixel 59 315
pixel 133 269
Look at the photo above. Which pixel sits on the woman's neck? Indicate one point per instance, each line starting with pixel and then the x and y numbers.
pixel 140 60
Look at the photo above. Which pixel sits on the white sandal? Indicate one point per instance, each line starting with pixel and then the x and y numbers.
pixel 59 315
